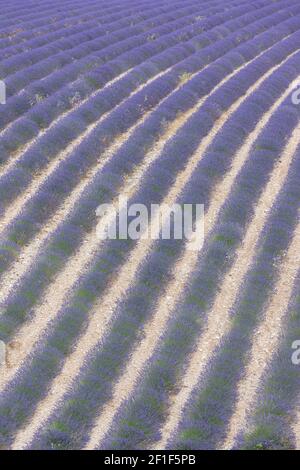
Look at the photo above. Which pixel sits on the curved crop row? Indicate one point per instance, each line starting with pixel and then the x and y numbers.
pixel 25 227
pixel 184 328
pixel 30 154
pixel 94 276
pixel 67 35
pixel 18 235
pixel 142 343
pixel 15 37
pixel 273 423
pixel 107 51
pixel 221 310
pixel 229 363
pixel 98 76
pixel 68 48
pixel 35 20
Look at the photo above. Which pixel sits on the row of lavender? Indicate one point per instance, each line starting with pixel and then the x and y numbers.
pixel 270 421
pixel 68 36
pixel 44 113
pixel 116 29
pixel 26 226
pixel 40 20
pixel 79 80
pixel 181 336
pixel 47 361
pixel 57 21
pixel 88 61
pixel 206 416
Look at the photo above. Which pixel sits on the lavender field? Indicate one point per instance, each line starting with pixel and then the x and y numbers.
pixel 142 343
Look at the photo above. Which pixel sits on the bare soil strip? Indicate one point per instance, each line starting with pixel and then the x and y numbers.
pixel 154 329
pixel 218 319
pixel 103 313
